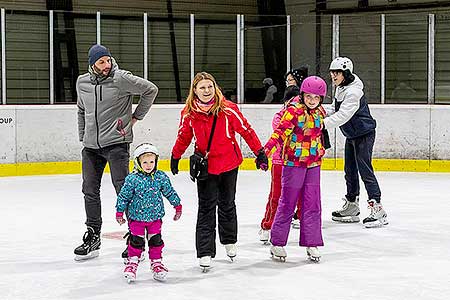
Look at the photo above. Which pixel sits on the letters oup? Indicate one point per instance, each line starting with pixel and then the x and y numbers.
pixel 6 120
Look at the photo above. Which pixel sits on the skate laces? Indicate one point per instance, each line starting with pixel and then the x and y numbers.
pixel 131 266
pixel 157 267
pixel 88 236
pixel 374 209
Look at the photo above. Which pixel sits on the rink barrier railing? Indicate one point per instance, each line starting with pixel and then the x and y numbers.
pixel 330 164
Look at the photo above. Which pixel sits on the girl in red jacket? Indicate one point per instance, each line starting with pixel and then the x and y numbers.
pixel 205 101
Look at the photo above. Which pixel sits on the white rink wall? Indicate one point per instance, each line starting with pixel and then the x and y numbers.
pixel 48 133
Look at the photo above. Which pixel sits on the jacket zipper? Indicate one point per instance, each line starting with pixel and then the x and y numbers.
pixel 96 117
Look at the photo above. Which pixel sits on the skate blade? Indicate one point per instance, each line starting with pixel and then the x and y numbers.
pixel 376 224
pixel 161 276
pixel 129 277
pixel 353 219
pixel 91 255
pixel 278 258
pixel 314 259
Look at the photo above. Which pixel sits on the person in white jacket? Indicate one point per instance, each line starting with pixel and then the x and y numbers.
pixel 350 112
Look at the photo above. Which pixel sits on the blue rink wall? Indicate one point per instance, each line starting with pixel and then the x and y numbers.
pixel 43 139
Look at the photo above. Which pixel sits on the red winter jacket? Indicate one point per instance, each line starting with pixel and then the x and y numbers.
pixel 225 154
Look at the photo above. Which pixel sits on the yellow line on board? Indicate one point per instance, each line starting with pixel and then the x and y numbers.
pixel 74 167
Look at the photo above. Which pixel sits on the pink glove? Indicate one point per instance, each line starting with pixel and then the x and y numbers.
pixel 177 212
pixel 119 218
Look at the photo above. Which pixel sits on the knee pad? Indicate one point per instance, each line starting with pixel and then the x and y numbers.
pixel 155 240
pixel 136 241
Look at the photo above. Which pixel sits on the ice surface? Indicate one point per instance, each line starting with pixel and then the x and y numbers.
pixel 43 221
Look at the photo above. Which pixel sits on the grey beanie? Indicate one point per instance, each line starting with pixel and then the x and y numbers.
pixel 97 51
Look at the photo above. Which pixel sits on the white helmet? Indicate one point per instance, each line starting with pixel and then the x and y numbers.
pixel 342 63
pixel 141 149
pixel 145 148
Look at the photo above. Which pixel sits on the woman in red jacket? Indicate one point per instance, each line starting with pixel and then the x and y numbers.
pixel 205 101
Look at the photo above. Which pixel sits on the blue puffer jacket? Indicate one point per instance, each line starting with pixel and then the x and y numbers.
pixel 142 195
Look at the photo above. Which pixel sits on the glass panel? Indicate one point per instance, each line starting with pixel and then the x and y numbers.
pixel 365 32
pixel 124 37
pixel 215 50
pixel 406 58
pixel 27 57
pixel 442 58
pixel 74 34
pixel 324 48
pixel 169 58
pixel 265 57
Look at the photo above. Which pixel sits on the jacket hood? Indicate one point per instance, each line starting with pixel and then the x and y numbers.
pixel 95 77
pixel 357 83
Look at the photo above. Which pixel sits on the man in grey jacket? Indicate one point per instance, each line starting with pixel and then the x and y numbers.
pixel 105 122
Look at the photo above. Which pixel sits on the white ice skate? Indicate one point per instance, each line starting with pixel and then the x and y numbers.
pixel 129 273
pixel 278 252
pixel 313 254
pixel 205 263
pixel 377 217
pixel 264 236
pixel 231 250
pixel 159 270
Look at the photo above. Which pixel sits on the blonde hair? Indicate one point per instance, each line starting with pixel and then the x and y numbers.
pixel 218 105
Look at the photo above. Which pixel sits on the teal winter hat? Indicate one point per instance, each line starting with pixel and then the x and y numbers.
pixel 97 51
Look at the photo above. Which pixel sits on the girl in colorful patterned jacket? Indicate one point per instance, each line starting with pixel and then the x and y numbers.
pixel 205 104
pixel 300 133
pixel 294 79
pixel 142 195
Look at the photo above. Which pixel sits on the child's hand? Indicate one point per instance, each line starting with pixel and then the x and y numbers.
pixel 177 212
pixel 119 218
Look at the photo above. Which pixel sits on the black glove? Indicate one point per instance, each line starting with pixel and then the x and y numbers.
pixel 325 139
pixel 174 165
pixel 261 160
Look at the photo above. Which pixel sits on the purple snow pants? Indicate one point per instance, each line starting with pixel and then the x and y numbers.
pixel 299 183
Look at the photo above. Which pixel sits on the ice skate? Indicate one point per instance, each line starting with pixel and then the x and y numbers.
pixel 231 250
pixel 159 270
pixel 377 217
pixel 129 273
pixel 349 212
pixel 278 252
pixel 205 263
pixel 90 247
pixel 264 236
pixel 295 223
pixel 313 254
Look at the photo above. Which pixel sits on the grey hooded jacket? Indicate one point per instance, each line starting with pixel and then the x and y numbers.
pixel 105 106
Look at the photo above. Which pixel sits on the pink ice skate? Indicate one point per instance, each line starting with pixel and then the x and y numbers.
pixel 159 270
pixel 130 269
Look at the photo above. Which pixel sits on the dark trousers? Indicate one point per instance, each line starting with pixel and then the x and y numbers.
pixel 216 191
pixel 93 165
pixel 358 159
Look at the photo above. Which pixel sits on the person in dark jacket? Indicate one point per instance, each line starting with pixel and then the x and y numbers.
pixel 204 105
pixel 350 112
pixel 105 121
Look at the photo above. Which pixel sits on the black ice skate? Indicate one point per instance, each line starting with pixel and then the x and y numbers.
pixel 90 247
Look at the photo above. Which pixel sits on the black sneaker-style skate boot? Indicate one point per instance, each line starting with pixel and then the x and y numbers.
pixel 90 247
